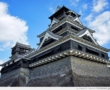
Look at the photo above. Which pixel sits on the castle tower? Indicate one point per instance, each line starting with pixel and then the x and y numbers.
pixel 67 55
pixel 19 50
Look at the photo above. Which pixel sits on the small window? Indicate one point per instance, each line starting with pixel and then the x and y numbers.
pixel 48 53
pixel 79 48
pixel 34 59
pixel 74 28
pixel 24 62
pixel 59 49
pixel 57 30
pixel 103 55
pixel 92 52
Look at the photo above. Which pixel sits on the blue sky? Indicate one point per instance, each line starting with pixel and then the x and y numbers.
pixel 23 20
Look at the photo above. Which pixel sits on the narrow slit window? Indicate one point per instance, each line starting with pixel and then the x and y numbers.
pixel 92 52
pixel 79 48
pixel 102 55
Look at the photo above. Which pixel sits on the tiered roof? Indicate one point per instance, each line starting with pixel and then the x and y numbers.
pixel 68 23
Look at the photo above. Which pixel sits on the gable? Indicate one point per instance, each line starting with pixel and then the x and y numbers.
pixel 77 20
pixel 48 35
pixel 54 21
pixel 85 34
pixel 88 38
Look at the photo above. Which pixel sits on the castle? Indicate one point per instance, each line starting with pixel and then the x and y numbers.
pixel 67 55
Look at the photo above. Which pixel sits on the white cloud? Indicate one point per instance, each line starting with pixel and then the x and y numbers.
pixel 1 61
pixel 85 6
pixel 1 49
pixel 74 2
pixel 51 9
pixel 12 28
pixel 99 5
pixel 89 17
pixel 80 12
pixel 101 24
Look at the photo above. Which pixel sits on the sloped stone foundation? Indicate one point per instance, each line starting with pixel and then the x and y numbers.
pixel 57 73
pixel 89 73
pixel 69 71
pixel 14 78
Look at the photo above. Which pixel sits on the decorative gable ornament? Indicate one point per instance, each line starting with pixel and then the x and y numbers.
pixel 86 32
pixel 47 35
pixel 54 21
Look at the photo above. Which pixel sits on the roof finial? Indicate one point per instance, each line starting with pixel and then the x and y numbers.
pixel 58 7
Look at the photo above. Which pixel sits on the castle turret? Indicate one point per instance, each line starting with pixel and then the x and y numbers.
pixel 19 50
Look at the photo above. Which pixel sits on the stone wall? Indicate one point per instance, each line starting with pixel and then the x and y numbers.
pixel 57 73
pixel 18 77
pixel 68 71
pixel 89 73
